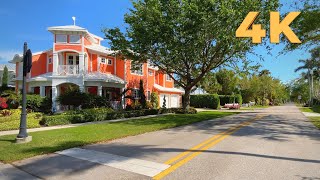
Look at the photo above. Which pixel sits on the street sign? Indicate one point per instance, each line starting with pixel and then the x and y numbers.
pixel 299 97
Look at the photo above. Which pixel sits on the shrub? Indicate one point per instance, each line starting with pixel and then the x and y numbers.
pixel 226 99
pixel 3 103
pixel 136 105
pixel 205 101
pixel 191 110
pixel 154 100
pixel 12 98
pixel 142 96
pixel 34 102
pixel 95 101
pixel 164 104
pixel 60 119
pixel 73 98
pixel 46 105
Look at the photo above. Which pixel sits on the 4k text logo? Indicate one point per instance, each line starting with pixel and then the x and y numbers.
pixel 276 28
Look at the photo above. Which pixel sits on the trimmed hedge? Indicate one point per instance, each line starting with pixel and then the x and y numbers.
pixel 205 101
pixel 103 114
pixel 226 99
pixel 91 115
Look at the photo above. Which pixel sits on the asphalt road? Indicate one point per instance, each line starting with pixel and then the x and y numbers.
pixel 275 143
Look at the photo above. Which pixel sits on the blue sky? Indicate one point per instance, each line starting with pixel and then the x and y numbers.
pixel 28 21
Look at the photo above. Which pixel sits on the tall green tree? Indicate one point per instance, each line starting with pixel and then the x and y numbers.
pixel 187 38
pixel 142 95
pixel 5 78
pixel 307 25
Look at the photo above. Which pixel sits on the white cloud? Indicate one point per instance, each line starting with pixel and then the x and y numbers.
pixel 7 55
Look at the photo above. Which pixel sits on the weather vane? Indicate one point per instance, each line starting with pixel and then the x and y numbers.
pixel 74 20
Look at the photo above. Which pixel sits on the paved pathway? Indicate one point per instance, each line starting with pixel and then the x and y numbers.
pixel 275 143
pixel 3 133
pixel 311 114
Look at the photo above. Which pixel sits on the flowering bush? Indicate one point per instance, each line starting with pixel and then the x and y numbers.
pixel 232 106
pixel 3 103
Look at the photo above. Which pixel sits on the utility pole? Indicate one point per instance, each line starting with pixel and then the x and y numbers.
pixel 23 137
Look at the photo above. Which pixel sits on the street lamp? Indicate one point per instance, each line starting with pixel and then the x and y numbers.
pixel 23 137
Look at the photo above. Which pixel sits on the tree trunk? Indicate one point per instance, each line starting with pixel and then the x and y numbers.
pixel 186 99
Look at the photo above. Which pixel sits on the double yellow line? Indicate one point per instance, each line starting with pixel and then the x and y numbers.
pixel 188 155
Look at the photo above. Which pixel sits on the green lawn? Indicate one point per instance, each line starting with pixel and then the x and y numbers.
pixel 13 121
pixel 315 109
pixel 311 109
pixel 315 121
pixel 54 140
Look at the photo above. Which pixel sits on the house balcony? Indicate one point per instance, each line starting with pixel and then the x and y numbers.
pixel 68 70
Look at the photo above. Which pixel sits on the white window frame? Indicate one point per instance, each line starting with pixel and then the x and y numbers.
pixel 75 42
pixel 59 36
pixel 74 60
pixel 135 93
pixel 135 71
pixel 168 78
pixel 104 59
pixel 109 62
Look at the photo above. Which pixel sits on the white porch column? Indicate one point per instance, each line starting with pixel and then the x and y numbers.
pixel 55 63
pixel 42 91
pixel 81 63
pixel 100 90
pixel 54 97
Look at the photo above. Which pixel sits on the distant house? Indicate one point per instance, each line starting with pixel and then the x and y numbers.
pixel 198 91
pixel 12 74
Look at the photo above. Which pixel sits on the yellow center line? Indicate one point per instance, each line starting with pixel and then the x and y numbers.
pixel 207 144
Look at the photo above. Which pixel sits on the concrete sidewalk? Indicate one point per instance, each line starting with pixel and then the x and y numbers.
pixel 311 114
pixel 9 172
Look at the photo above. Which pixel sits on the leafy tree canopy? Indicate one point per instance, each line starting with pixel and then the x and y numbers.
pixel 187 38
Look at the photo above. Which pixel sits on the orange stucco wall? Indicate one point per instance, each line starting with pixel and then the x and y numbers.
pixel 120 64
pixel 94 62
pixel 105 68
pixel 39 64
pixel 59 47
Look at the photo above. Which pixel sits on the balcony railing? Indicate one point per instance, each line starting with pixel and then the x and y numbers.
pixel 68 70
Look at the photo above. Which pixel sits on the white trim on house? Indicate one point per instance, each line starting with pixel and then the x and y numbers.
pixel 164 89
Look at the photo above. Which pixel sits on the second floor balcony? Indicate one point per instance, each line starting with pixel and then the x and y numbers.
pixel 67 70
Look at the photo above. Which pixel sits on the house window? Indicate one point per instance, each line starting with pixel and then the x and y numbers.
pixel 168 78
pixel 50 60
pixel 136 68
pixel 74 39
pixel 61 38
pixel 70 60
pixel 150 73
pixel 103 60
pixel 109 61
pixel 135 93
pixel 149 96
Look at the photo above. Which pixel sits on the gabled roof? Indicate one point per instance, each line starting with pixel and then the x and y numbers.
pixel 73 28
